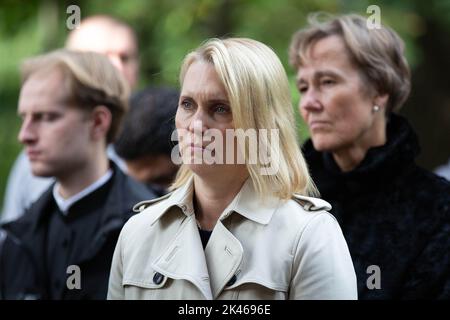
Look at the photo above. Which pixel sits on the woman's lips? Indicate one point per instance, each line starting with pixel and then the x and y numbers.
pixel 317 125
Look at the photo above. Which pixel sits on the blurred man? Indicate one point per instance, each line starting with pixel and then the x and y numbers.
pixel 71 105
pixel 111 37
pixel 102 34
pixel 145 140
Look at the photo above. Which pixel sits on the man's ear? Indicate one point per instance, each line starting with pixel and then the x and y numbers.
pixel 101 118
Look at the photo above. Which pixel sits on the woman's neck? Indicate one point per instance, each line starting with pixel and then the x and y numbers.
pixel 212 196
pixel 349 157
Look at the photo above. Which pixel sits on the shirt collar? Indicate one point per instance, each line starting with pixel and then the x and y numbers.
pixel 65 204
pixel 245 203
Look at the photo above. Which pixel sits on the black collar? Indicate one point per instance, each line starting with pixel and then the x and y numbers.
pixel 401 148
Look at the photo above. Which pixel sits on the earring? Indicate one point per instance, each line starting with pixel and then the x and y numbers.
pixel 375 108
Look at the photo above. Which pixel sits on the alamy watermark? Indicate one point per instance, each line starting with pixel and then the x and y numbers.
pixel 74 279
pixel 73 21
pixel 213 146
pixel 374 280
pixel 374 20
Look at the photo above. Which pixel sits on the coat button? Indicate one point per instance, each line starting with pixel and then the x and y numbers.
pixel 158 278
pixel 231 281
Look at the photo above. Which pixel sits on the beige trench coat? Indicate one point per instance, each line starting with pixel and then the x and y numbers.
pixel 278 250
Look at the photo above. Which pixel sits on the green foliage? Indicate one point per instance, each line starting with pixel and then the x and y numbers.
pixel 9 127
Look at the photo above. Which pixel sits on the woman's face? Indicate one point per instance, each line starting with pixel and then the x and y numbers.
pixel 334 100
pixel 203 110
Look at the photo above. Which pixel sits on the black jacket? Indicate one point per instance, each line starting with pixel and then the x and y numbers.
pixel 394 215
pixel 24 268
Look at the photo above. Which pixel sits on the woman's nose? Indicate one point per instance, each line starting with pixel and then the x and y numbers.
pixel 198 122
pixel 310 101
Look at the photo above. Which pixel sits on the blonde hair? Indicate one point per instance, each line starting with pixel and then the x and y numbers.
pixel 90 80
pixel 259 96
pixel 377 53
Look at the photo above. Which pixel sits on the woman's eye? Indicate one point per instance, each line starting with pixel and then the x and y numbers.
pixel 221 108
pixel 186 104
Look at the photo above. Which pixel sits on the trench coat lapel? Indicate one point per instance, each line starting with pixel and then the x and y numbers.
pixel 223 256
pixel 184 258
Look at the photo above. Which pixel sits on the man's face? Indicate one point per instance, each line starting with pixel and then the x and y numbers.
pixel 56 136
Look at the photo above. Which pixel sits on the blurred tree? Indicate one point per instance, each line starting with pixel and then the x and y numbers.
pixel 428 107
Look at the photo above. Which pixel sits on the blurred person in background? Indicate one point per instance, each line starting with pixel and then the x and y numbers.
pixel 394 214
pixel 72 105
pixel 102 34
pixel 111 37
pixel 444 170
pixel 144 142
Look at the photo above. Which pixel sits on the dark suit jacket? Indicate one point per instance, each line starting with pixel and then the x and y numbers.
pixel 24 260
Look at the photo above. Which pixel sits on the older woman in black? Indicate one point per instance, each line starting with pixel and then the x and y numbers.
pixel 394 214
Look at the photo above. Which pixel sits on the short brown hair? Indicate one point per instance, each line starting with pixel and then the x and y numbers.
pixel 377 53
pixel 90 80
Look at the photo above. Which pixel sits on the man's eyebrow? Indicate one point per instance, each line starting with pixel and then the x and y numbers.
pixel 39 113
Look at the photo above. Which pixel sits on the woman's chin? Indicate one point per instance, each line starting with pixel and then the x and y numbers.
pixel 323 145
pixel 202 169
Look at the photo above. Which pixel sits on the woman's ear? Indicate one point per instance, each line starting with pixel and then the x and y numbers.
pixel 381 100
pixel 101 122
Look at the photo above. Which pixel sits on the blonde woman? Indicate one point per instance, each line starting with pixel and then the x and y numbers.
pixel 236 226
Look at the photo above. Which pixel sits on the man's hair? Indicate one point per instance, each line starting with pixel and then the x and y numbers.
pixel 378 54
pixel 90 80
pixel 258 91
pixel 149 124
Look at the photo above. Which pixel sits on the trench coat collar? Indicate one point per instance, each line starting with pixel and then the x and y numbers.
pixel 248 204
pixel 245 203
